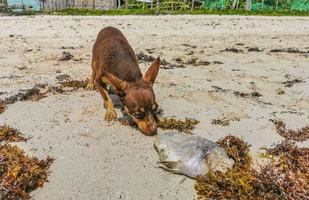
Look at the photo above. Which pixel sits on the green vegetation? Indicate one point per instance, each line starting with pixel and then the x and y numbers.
pixel 89 12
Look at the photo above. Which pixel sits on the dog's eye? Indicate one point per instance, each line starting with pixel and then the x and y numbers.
pixel 139 115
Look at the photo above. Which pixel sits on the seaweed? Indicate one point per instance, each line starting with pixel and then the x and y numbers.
pixel 255 49
pixel 40 91
pixel 285 177
pixel 172 66
pixel 33 94
pixel 288 50
pixel 298 135
pixel 8 134
pixel 65 56
pixel 237 149
pixel 143 57
pixel 185 126
pixel 73 85
pixel 222 122
pixel 63 77
pixel 246 95
pixel 19 174
pixel 290 83
pixel 234 50
pixel 289 171
pixel 2 107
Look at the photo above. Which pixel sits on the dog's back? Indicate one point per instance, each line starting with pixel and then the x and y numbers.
pixel 112 52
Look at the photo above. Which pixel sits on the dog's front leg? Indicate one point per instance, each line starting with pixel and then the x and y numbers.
pixel 108 103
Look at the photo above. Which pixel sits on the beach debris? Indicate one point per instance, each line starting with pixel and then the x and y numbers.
pixel 151 51
pixel 179 60
pixel 191 61
pixel 172 66
pixel 19 174
pixel 228 117
pixel 8 134
pixel 40 91
pixel 298 135
pixel 288 50
pixel 190 155
pixel 171 123
pixel 222 122
pixel 164 62
pixel 33 94
pixel 234 50
pixel 290 83
pixel 280 92
pixel 143 57
pixel 289 171
pixel 247 95
pixel 237 149
pixel 218 62
pixel 63 77
pixel 284 177
pixel 190 46
pixel 196 62
pixel 2 107
pixel 255 49
pixel 73 85
pixel 166 123
pixel 65 56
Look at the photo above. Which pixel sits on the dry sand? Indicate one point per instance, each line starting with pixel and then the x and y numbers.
pixel 100 160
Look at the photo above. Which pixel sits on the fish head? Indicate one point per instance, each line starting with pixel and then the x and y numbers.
pixel 161 148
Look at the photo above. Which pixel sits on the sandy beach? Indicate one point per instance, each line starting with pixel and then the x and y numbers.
pixel 242 70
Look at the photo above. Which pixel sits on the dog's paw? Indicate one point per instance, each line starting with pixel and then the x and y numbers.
pixel 90 86
pixel 110 115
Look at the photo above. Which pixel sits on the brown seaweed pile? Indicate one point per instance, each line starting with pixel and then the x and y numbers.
pixel 8 134
pixel 40 91
pixel 19 174
pixel 237 149
pixel 285 177
pixel 289 171
pixel 185 126
pixel 33 94
pixel 298 135
pixel 166 123
pixel 73 85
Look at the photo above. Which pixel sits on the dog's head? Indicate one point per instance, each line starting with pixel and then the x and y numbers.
pixel 139 98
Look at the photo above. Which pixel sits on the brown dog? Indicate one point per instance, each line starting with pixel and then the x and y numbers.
pixel 114 62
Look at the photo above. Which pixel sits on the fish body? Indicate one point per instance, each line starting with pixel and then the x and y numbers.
pixel 190 155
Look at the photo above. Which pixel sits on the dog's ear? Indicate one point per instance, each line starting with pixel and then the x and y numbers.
pixel 118 83
pixel 152 71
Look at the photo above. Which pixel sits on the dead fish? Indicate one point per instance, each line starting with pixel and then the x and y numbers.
pixel 190 155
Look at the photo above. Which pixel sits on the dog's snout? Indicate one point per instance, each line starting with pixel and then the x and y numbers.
pixel 147 127
pixel 152 129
